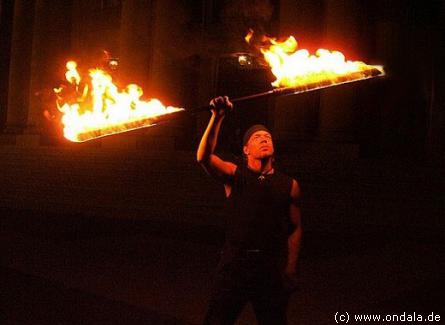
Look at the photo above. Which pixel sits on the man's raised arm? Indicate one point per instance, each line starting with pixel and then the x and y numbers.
pixel 212 164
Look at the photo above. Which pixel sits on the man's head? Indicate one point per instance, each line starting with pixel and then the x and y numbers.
pixel 257 142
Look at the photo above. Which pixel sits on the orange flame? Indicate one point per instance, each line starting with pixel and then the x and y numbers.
pixel 295 67
pixel 72 75
pixel 105 109
pixel 249 36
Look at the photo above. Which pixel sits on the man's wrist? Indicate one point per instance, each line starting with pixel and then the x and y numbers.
pixel 218 116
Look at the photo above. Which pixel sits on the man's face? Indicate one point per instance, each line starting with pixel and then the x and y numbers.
pixel 259 146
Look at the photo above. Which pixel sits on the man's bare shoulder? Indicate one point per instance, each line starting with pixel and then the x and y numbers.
pixel 225 167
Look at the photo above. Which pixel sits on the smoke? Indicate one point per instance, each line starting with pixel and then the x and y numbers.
pixel 249 11
pixel 238 16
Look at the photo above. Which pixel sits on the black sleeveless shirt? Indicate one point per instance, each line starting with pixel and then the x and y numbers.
pixel 258 211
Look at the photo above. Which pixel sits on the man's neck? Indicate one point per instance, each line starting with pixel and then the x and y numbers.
pixel 262 166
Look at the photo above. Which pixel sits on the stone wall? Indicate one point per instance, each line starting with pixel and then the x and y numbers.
pixel 71 184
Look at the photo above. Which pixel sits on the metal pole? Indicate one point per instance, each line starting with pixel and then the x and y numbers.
pixel 287 91
pixel 284 91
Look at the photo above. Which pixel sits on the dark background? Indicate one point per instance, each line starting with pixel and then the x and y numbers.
pixel 127 229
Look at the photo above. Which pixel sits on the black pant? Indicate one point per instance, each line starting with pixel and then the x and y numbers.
pixel 248 276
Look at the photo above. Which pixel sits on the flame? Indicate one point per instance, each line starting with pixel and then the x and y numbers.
pixel 295 67
pixel 100 108
pixel 249 36
pixel 72 75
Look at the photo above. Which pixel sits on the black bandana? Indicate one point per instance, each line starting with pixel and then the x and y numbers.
pixel 252 130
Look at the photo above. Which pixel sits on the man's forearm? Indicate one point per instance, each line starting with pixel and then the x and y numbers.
pixel 293 243
pixel 209 138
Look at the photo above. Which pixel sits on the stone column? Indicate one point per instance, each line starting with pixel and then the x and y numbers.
pixel 6 10
pixel 136 41
pixel 337 105
pixel 149 41
pixel 296 117
pixel 20 66
pixel 207 70
pixel 50 49
pixel 436 114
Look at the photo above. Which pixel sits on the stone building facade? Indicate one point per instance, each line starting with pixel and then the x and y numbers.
pixel 177 51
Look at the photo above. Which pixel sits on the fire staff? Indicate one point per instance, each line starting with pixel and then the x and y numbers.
pixel 259 257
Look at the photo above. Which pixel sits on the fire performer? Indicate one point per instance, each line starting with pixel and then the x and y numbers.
pixel 259 258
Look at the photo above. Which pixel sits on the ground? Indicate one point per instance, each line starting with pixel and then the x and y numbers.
pixel 129 273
